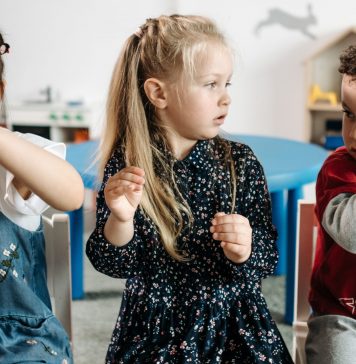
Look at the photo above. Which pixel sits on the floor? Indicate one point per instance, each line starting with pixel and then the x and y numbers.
pixel 94 317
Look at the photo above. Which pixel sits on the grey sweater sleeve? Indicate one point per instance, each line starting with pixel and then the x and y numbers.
pixel 339 220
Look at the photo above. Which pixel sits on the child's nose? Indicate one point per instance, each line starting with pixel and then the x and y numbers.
pixel 353 131
pixel 226 99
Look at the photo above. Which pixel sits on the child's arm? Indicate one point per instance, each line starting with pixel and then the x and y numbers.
pixel 126 258
pixel 339 220
pixel 255 206
pixel 52 179
pixel 123 193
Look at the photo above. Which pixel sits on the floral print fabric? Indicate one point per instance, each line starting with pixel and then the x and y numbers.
pixel 206 310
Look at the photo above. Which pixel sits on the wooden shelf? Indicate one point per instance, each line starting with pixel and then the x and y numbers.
pixel 325 107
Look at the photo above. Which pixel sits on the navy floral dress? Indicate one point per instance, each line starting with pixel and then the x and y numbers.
pixel 206 310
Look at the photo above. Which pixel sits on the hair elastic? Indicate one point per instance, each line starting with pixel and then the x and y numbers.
pixel 139 32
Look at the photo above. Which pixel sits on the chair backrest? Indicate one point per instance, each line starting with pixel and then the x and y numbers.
pixel 305 247
pixel 56 232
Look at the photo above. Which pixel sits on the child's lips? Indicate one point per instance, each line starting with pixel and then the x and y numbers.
pixel 220 119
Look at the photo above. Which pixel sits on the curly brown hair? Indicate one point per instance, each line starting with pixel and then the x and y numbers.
pixel 348 61
pixel 1 70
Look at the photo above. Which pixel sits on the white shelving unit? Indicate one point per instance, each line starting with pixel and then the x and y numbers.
pixel 322 70
pixel 57 122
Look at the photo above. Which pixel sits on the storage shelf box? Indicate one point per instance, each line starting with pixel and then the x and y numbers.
pixel 332 142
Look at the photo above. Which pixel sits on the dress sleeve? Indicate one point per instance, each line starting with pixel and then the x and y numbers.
pixel 118 262
pixel 257 208
pixel 34 205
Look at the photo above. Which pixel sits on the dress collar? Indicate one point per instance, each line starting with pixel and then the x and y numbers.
pixel 200 157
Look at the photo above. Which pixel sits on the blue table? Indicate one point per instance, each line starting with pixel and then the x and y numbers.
pixel 288 165
pixel 82 157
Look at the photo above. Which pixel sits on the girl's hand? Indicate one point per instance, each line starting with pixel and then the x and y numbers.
pixel 123 192
pixel 235 233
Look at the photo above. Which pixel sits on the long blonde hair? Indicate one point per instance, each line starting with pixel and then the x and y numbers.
pixel 163 48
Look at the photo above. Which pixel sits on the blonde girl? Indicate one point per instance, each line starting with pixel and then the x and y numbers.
pixel 182 214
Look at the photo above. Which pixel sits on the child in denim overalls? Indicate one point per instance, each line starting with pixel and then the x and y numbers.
pixel 32 176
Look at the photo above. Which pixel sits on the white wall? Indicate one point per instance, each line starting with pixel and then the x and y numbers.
pixel 72 45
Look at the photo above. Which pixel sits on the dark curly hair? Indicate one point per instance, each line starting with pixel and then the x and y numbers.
pixel 1 70
pixel 348 61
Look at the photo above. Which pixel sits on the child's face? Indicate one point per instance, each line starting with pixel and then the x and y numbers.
pixel 203 101
pixel 348 99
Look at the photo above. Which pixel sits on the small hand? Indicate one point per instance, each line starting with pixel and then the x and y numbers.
pixel 123 192
pixel 235 233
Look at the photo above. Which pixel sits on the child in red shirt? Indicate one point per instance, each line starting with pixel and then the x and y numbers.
pixel 332 327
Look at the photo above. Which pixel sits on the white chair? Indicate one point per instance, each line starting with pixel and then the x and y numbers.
pixel 56 232
pixel 305 247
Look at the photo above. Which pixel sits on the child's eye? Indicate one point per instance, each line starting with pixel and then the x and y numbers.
pixel 211 84
pixel 228 84
pixel 349 114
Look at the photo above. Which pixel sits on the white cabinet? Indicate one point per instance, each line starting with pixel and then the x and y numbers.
pixel 57 122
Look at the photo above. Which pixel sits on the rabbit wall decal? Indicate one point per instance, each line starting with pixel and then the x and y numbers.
pixel 289 21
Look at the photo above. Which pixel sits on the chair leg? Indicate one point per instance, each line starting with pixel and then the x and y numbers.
pixel 300 357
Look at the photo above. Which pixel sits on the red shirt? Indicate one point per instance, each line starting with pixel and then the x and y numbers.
pixel 333 282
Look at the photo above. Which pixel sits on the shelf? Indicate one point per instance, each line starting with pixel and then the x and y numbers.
pixel 58 122
pixel 323 82
pixel 325 107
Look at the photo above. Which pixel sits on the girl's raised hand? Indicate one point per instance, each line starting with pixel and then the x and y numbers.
pixel 235 233
pixel 123 192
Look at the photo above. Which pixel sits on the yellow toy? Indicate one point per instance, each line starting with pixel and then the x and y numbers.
pixel 317 95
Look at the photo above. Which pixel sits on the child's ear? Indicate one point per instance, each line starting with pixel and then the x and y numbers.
pixel 156 92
